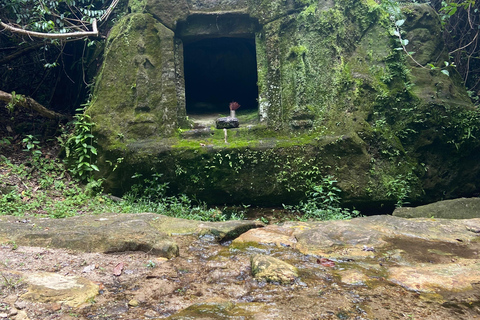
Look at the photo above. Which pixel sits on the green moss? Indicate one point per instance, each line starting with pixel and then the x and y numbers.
pixel 137 6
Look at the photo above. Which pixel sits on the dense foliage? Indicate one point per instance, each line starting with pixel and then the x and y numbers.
pixel 59 16
pixel 37 183
pixel 461 19
pixel 461 22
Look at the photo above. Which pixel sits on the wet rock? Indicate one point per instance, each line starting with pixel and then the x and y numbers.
pixel 227 123
pixel 154 290
pixel 212 310
pixel 12 312
pixel 352 276
pixel 54 307
pixel 21 315
pixel 457 276
pixel 150 314
pixel 347 238
pixel 332 238
pixel 272 269
pixel 222 231
pixel 20 304
pixel 55 288
pixel 271 234
pixel 228 230
pixel 463 208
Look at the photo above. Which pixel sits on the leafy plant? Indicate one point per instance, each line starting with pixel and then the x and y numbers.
pixel 59 16
pixel 398 188
pixel 150 195
pixel 16 98
pixel 47 191
pixel 32 145
pixel 151 264
pixel 11 282
pixel 5 141
pixel 396 16
pixel 9 203
pixel 323 203
pixel 79 148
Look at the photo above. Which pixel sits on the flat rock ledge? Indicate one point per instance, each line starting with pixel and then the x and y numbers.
pixel 227 123
pixel 110 233
pixel 462 208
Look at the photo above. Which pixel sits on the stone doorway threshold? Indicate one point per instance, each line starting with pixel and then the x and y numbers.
pixel 207 120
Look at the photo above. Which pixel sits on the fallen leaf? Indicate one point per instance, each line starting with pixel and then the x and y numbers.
pixel 118 269
pixel 326 262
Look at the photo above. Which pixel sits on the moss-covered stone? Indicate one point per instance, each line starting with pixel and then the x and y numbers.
pixel 268 10
pixel 335 98
pixel 168 12
pixel 462 208
pixel 136 94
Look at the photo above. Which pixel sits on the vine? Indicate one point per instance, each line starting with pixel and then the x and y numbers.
pixel 396 16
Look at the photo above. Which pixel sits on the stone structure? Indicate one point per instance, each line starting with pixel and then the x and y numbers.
pixel 334 98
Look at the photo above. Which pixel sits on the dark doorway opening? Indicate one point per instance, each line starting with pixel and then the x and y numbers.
pixel 219 71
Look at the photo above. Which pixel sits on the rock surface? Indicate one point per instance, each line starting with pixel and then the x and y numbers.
pixel 51 287
pixel 372 267
pixel 272 269
pixel 451 245
pixel 463 208
pixel 115 233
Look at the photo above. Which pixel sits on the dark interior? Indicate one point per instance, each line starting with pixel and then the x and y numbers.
pixel 219 71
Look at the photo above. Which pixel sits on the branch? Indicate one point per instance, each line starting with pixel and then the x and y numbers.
pixel 81 34
pixel 30 104
pixel 458 49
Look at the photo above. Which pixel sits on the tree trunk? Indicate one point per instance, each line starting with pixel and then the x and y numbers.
pixel 31 104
